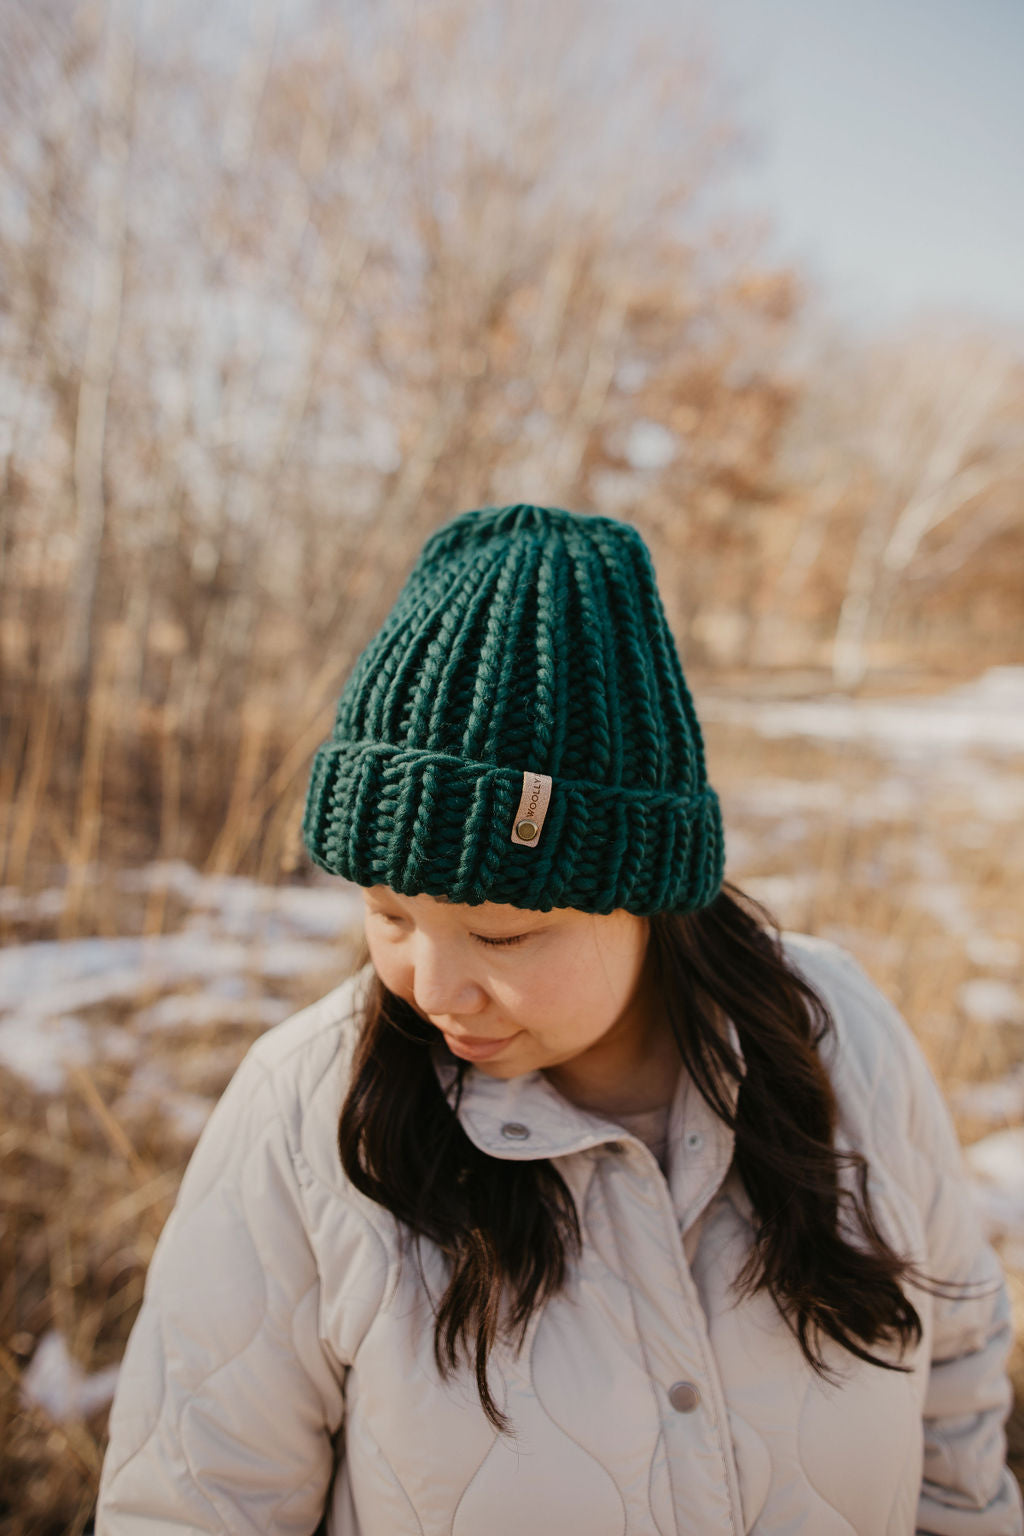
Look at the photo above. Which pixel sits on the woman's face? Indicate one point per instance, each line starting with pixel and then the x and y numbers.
pixel 512 991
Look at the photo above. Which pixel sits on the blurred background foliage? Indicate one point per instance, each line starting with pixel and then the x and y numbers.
pixel 279 299
pixel 281 290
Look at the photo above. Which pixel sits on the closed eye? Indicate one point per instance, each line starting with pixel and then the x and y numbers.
pixel 516 938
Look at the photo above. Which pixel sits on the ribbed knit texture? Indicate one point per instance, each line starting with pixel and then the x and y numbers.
pixel 525 639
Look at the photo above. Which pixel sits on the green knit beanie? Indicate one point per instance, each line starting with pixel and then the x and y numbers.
pixel 520 730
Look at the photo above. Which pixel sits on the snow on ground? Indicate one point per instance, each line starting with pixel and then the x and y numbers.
pixel 997 1163
pixel 987 713
pixel 987 1000
pixel 238 939
pixel 999 1100
pixel 962 747
pixel 239 951
pixel 244 909
pixel 56 1383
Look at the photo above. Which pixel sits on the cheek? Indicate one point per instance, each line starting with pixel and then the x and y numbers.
pixel 555 1001
pixel 599 985
pixel 388 963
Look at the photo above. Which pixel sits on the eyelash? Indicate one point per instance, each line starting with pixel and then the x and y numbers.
pixel 516 938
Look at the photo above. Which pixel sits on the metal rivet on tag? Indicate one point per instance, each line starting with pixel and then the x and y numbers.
pixel 527 830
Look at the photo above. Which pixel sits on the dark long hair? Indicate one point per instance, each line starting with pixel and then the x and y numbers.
pixel 508 1230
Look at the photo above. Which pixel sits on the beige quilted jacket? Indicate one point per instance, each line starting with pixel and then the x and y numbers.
pixel 281 1367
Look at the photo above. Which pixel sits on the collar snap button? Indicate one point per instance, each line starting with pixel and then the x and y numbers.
pixel 683 1396
pixel 694 1141
pixel 514 1130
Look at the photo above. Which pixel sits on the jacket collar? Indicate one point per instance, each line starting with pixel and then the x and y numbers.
pixel 522 1118
pixel 525 1118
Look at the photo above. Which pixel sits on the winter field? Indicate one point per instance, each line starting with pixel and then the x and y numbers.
pixel 894 825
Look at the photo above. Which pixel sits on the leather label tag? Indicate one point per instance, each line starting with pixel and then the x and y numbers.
pixel 528 822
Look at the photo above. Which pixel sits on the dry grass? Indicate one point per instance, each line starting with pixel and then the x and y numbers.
pixel 918 893
pixel 88 1181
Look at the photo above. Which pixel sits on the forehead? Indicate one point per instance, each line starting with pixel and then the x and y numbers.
pixel 484 909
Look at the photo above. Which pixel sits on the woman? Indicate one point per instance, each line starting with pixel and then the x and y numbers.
pixel 591 1204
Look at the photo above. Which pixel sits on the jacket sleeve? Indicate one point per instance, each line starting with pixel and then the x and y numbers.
pixel 967 1489
pixel 229 1404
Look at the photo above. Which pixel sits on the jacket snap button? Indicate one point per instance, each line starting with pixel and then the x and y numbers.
pixel 694 1141
pixel 683 1396
pixel 515 1130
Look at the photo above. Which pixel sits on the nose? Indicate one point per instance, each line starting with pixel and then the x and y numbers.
pixel 442 985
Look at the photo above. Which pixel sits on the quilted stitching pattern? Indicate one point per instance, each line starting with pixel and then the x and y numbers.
pixel 277 1305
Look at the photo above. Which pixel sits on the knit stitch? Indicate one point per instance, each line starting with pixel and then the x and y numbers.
pixel 525 640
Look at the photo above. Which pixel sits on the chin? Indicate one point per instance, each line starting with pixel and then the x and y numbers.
pixel 501 1072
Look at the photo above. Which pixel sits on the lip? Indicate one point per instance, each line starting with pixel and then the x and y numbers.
pixel 474 1049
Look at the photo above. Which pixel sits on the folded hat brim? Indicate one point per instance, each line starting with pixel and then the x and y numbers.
pixel 421 821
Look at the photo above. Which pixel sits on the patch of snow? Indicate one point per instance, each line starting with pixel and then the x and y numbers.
pixel 987 713
pixel 49 977
pixel 110 1043
pixel 25 968
pixel 939 894
pixel 1000 1099
pixel 321 912
pixel 151 1085
pixel 227 986
pixel 997 1163
pixel 1000 688
pixel 740 849
pixel 198 1010
pixel 293 958
pixel 45 905
pixel 765 796
pixel 171 875
pixel 245 909
pixel 945 901
pixel 785 896
pixel 892 798
pixel 235 930
pixel 40 1049
pixel 986 1000
pixel 650 445
pixel 791 829
pixel 632 374
pixel 883 948
pixel 997 954
pixel 996 796
pixel 188 1113
pixel 55 1382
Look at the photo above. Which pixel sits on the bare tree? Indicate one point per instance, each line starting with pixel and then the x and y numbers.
pixel 905 463
pixel 102 332
pixel 944 434
pixel 302 298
